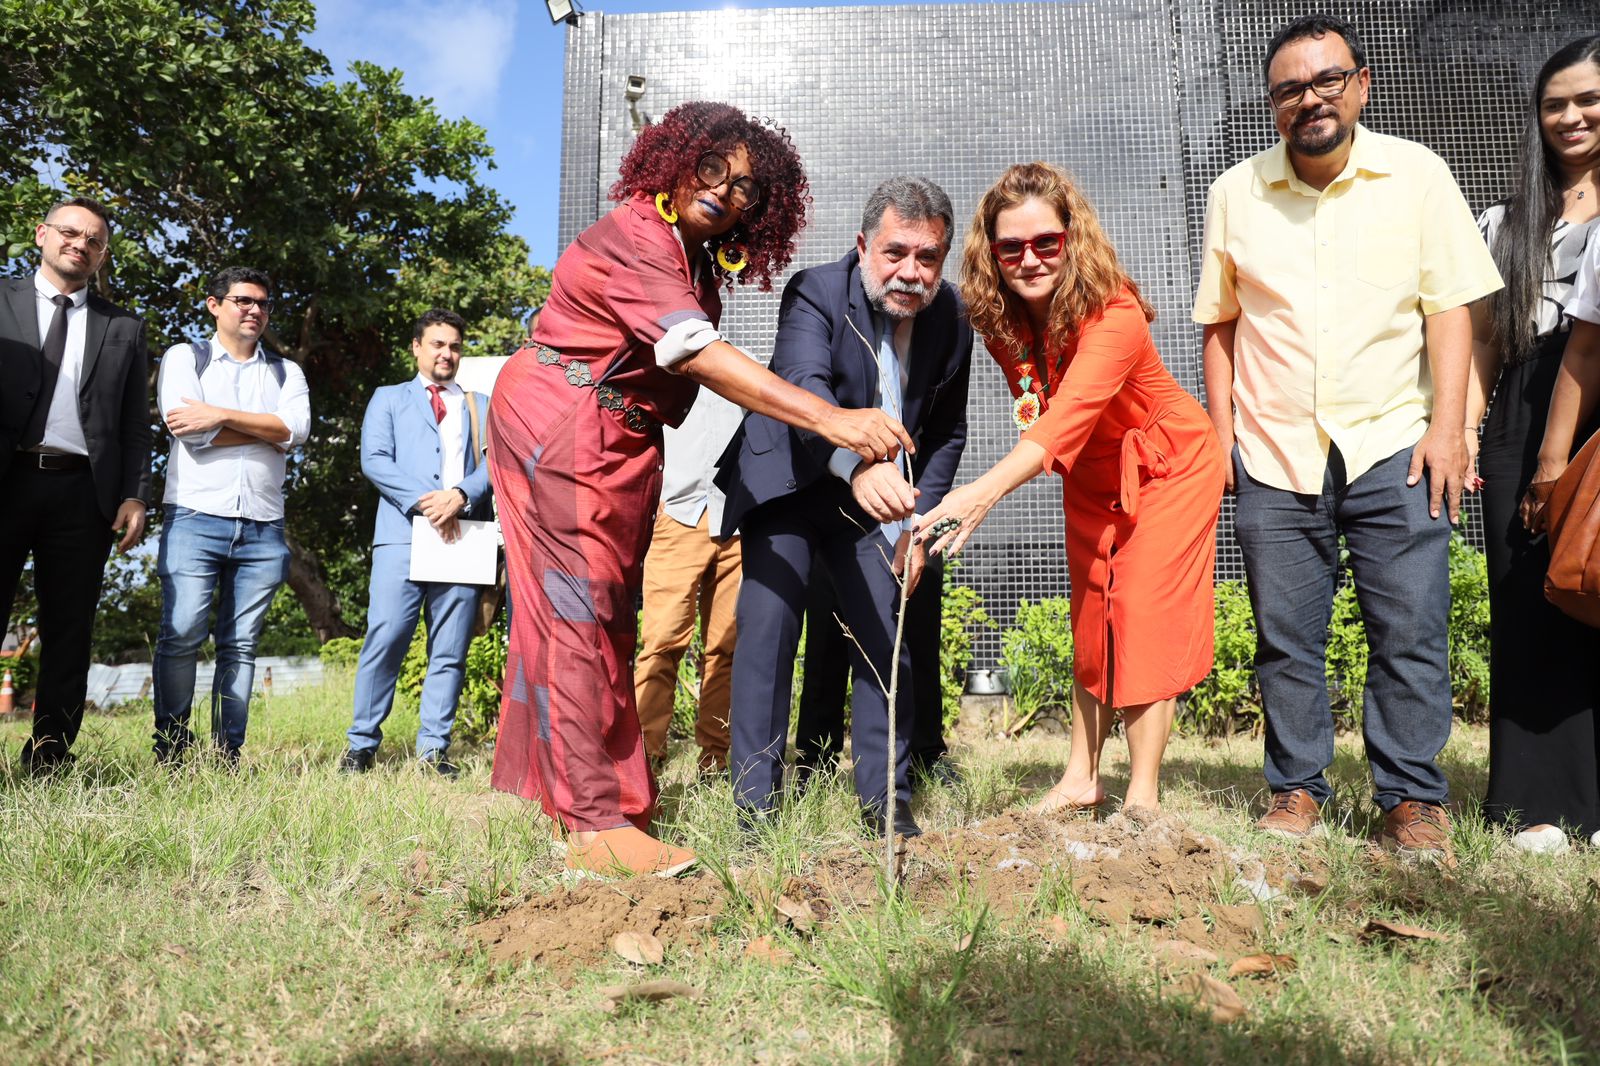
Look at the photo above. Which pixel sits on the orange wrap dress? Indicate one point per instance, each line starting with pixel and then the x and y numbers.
pixel 1143 477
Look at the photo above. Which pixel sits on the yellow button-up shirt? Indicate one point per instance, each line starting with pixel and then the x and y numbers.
pixel 1330 290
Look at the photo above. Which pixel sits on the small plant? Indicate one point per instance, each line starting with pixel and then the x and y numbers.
pixel 478 715
pixel 1226 700
pixel 1469 630
pixel 962 613
pixel 1346 663
pixel 1038 656
pixel 340 653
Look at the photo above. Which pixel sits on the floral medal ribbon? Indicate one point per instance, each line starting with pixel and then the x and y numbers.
pixel 1027 408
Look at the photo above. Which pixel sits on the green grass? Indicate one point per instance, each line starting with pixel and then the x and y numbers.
pixel 287 913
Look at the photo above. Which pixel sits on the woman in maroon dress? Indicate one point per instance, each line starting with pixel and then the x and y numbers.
pixel 628 335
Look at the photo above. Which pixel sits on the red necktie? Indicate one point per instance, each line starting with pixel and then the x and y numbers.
pixel 437 401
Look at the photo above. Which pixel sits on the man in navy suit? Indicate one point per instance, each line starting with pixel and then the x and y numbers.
pixel 422 445
pixel 877 328
pixel 74 455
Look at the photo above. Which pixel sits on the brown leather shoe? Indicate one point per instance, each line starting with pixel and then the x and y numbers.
pixel 1416 830
pixel 1293 815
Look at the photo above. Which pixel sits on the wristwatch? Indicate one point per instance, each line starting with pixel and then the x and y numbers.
pixel 466 501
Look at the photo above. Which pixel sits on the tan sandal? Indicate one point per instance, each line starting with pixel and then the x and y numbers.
pixel 627 852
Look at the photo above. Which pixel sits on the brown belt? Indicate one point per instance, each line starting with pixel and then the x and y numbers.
pixel 580 376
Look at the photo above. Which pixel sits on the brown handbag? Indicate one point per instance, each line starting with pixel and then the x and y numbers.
pixel 1572 582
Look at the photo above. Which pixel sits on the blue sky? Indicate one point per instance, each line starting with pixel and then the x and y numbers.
pixel 499 63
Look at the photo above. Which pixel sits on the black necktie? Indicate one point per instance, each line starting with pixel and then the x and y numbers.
pixel 54 352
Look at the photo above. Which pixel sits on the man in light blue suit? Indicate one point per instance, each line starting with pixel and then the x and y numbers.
pixel 422 445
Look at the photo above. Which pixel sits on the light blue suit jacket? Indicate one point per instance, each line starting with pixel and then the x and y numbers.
pixel 401 455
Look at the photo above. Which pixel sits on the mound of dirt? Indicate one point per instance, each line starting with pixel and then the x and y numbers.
pixel 574 927
pixel 1131 871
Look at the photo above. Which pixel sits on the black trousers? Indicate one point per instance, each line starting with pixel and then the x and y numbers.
pixel 52 515
pixel 819 720
pixel 1544 681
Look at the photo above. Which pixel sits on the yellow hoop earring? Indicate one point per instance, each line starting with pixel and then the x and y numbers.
pixel 668 215
pixel 733 266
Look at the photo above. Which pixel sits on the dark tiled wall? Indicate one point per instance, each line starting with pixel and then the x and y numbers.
pixel 1146 101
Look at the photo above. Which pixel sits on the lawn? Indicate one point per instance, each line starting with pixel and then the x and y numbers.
pixel 286 913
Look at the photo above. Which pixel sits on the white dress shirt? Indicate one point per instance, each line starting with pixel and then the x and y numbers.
pixel 452 445
pixel 63 432
pixel 236 481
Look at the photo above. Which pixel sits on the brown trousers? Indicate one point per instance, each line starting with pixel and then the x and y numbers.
pixel 686 570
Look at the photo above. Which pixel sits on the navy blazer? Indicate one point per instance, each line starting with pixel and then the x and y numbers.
pixel 817 349
pixel 113 390
pixel 401 455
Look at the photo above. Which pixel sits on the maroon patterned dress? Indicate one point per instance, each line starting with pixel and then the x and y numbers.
pixel 575 429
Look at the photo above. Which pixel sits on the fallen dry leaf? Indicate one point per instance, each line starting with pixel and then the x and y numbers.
pixel 1377 927
pixel 799 913
pixel 417 868
pixel 641 949
pixel 176 949
pixel 1208 992
pixel 964 943
pixel 1263 965
pixel 763 949
pixel 648 992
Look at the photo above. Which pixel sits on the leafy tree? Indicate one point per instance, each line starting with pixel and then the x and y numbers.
pixel 218 136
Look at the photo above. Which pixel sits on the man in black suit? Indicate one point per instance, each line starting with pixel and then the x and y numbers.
pixel 74 455
pixel 877 328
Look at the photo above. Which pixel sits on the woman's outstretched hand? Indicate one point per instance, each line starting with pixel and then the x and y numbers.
pixel 868 432
pixel 968 506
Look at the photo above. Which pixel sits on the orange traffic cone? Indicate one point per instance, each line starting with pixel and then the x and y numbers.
pixel 8 695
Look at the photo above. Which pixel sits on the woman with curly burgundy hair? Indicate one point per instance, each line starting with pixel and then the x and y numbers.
pixel 629 333
pixel 1142 472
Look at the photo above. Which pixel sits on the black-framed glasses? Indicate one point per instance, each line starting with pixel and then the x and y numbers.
pixel 1329 86
pixel 1045 246
pixel 713 169
pixel 246 303
pixel 73 233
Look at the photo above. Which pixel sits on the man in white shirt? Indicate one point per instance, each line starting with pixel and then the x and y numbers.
pixel 235 410
pixel 422 446
pixel 74 455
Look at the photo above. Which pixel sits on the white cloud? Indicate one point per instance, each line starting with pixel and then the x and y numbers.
pixel 454 52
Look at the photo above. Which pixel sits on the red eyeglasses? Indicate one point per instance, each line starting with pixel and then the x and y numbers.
pixel 1045 246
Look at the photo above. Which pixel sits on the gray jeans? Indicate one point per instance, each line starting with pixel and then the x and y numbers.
pixel 1399 557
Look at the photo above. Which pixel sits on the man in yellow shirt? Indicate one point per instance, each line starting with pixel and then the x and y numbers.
pixel 1338 266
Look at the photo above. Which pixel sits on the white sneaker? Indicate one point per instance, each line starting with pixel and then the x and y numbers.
pixel 1547 841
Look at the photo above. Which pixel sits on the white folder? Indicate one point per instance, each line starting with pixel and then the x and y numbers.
pixel 470 560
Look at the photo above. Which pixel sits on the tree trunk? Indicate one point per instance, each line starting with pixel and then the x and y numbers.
pixel 310 585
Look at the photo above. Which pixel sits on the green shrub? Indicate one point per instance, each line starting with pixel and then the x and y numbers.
pixel 1346 663
pixel 478 715
pixel 1037 655
pixel 1469 630
pixel 1226 701
pixel 340 653
pixel 961 614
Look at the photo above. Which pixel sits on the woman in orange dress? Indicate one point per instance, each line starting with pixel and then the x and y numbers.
pixel 1142 472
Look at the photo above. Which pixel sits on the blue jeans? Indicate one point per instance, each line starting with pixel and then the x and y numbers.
pixel 394 601
pixel 240 561
pixel 1399 557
